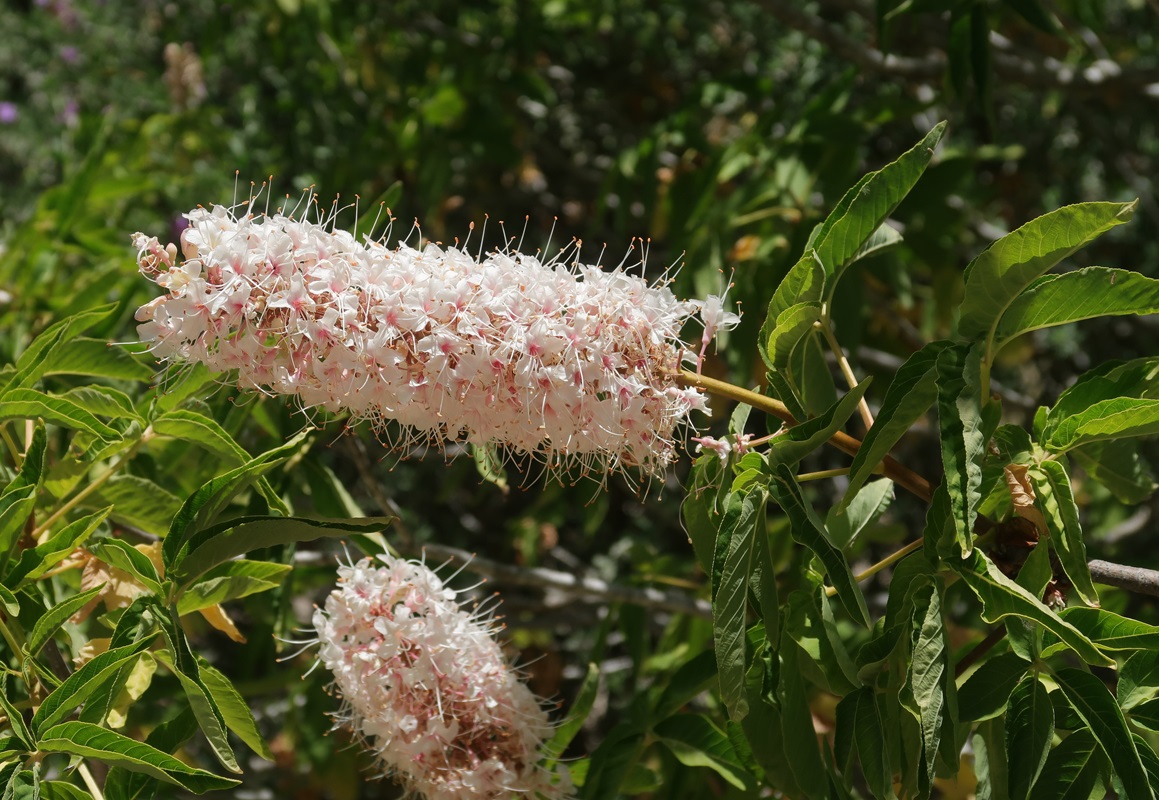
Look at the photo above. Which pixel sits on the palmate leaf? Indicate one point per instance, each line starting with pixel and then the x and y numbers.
pixel 1098 710
pixel 1073 296
pixel 91 741
pixel 1011 264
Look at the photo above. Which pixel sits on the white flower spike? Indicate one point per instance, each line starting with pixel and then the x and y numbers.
pixel 566 362
pixel 427 687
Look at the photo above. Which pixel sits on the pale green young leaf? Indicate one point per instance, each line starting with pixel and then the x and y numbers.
pixel 1002 597
pixel 140 502
pixel 201 430
pixel 1005 269
pixel 91 741
pixel 697 742
pixel 32 362
pixel 1089 698
pixel 1072 769
pixel 803 283
pixel 1029 730
pixel 1056 499
pixel 1072 296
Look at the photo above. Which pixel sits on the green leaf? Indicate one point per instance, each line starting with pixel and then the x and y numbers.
pixel 30 404
pixel 1071 770
pixel 883 239
pixel 1123 417
pixel 9 602
pixel 235 713
pixel 807 531
pixel 567 730
pixel 990 760
pixel 18 499
pixel 91 741
pixel 1073 296
pixel 32 362
pixel 97 358
pixel 846 522
pixel 1055 498
pixel 56 616
pixel 1138 678
pixel 879 194
pixel 78 687
pixel 209 715
pixel 1117 465
pixel 122 555
pixel 59 790
pixel 1146 715
pixel 864 726
pixel 803 283
pixel 1097 708
pixel 1005 269
pixel 987 691
pixel 744 521
pixel 703 505
pixel 200 509
pixel 201 430
pixel 799 738
pixel 24 785
pixel 929 677
pixel 141 503
pixel 230 581
pixel 1029 730
pixel 207 548
pixel 812 626
pixel 1111 631
pixel 693 678
pixel 790 329
pixel 104 401
pixel 1036 14
pixel 805 437
pixel 1001 597
pixel 612 762
pixel 16 721
pixel 697 742
pixel 963 437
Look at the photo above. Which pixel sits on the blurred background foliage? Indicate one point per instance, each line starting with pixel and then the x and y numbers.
pixel 720 132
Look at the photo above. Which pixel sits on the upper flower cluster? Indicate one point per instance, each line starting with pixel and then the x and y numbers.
pixel 563 360
pixel 427 684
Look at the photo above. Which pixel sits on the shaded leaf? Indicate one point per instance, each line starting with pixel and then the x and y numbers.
pixel 79 686
pixel 235 713
pixel 963 436
pixel 31 404
pixel 1029 729
pixel 1071 770
pixel 986 692
pixel 697 742
pixel 95 357
pixel 578 713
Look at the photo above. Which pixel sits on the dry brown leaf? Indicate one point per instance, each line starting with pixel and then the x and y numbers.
pixel 1023 497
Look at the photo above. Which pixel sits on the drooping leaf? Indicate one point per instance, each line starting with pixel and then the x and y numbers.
pixel 1110 630
pixel 201 430
pixel 697 742
pixel 97 358
pixel 32 362
pixel 1056 499
pixel 811 625
pixel 1071 769
pixel 990 765
pixel 1097 708
pixel 703 505
pixel 845 523
pixel 1138 678
pixel 18 499
pixel 235 713
pixel 1117 465
pixel 862 723
pixel 805 437
pixel 91 741
pixel 1002 597
pixel 1029 729
pixel 987 691
pixel 743 522
pixel 612 762
pixel 1005 269
pixel 692 678
pixel 799 738
pixel 122 555
pixel 205 708
pixel 209 547
pixel 807 530
pixel 963 436
pixel 1072 296
pixel 929 678
pixel 1123 417
pixel 230 581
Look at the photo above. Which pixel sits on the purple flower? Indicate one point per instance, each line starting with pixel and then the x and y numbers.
pixel 8 113
pixel 69 54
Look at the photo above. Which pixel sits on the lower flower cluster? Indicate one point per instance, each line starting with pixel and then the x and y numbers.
pixel 428 688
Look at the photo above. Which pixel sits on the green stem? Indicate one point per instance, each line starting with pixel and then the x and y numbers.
pixel 84 493
pixel 822 475
pixel 13 447
pixel 886 562
pixel 842 362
